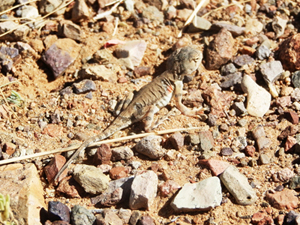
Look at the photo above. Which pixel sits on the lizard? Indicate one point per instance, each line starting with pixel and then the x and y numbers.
pixel 150 98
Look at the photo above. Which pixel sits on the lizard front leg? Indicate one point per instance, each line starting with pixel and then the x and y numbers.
pixel 148 119
pixel 122 105
pixel 182 108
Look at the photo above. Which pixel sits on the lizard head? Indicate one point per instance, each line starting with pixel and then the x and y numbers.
pixel 184 61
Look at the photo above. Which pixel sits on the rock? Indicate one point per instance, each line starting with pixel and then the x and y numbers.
pixel 220 50
pixel 250 150
pixel 193 139
pixel 23 185
pixel 288 131
pixel 146 220
pixel 289 53
pixel 283 101
pixel 177 140
pixel 118 172
pixel 6 4
pixel 237 184
pixel 170 12
pixel 54 166
pixel 136 215
pixel 150 146
pixel 69 187
pixel 53 130
pixel 263 52
pixel 61 55
pixel 242 60
pixel 296 79
pixel 239 108
pixel 134 50
pixel 260 137
pixel 233 29
pixel 80 215
pixel 201 196
pixel 228 69
pixel 271 71
pixel 58 211
pixel 183 14
pixel 295 182
pixel 80 11
pixel 48 6
pixel 91 178
pixel 283 175
pixel 199 24
pixel 8 58
pixel 216 166
pixel 253 27
pixel 247 50
pixel 292 218
pixel 168 187
pixel 110 217
pixel 285 199
pixel 151 13
pixel 18 33
pixel 292 117
pixel 103 3
pixel 84 86
pixel 121 153
pixel 29 12
pixel 103 155
pixel 104 57
pixel 289 143
pixel 226 151
pixel 261 218
pixel 206 140
pixel 143 190
pixel 278 26
pixel 70 30
pixel 258 99
pixel 118 191
pixel 97 72
pixel 124 215
pixel 232 80
pixel 142 71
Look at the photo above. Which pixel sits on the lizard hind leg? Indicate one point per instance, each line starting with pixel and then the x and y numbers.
pixel 148 118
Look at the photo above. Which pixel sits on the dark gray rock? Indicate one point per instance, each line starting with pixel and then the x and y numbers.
pixel 232 80
pixel 228 69
pixel 262 52
pixel 233 29
pixel 84 86
pixel 242 60
pixel 296 79
pixel 58 211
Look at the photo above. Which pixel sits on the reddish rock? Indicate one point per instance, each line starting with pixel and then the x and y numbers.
pixel 247 50
pixel 289 144
pixel 142 71
pixel 168 187
pixel 289 53
pixel 285 199
pixel 146 220
pixel 122 80
pixel 288 131
pixel 220 50
pixel 53 130
pixel 108 27
pixel 69 187
pixel 292 117
pixel 261 218
pixel 216 166
pixel 280 219
pixel 118 172
pixel 217 100
pixel 103 155
pixel 54 166
pixel 177 140
pixel 250 150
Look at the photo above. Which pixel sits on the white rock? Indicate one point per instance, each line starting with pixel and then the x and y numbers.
pixel 279 25
pixel 29 12
pixel 258 99
pixel 253 26
pixel 201 196
pixel 134 50
pixel 237 184
pixel 143 190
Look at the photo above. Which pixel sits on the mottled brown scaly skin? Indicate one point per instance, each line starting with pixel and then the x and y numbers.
pixel 152 97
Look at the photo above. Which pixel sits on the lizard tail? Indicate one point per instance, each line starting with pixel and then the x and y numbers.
pixel 114 127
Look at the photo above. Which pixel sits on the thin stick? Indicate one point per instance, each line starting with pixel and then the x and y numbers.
pixel 201 3
pixel 116 26
pixel 108 12
pixel 59 150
